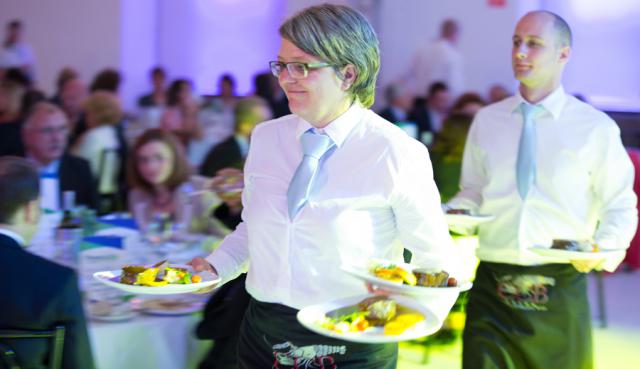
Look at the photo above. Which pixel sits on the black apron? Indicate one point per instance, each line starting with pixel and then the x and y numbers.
pixel 521 317
pixel 271 337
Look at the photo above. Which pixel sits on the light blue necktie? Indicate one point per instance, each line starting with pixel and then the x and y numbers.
pixel 526 165
pixel 314 146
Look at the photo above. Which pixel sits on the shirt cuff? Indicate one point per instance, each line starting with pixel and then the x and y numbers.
pixel 225 265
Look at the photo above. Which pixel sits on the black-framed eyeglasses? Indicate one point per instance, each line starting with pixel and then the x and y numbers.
pixel 295 69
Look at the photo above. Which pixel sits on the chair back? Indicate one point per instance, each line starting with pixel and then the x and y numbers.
pixel 9 357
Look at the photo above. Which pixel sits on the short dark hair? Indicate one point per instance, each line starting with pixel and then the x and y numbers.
pixel 173 93
pixel 19 184
pixel 158 71
pixel 436 87
pixel 15 23
pixel 106 80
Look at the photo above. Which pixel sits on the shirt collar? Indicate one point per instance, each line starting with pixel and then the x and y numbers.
pixel 554 103
pixel 51 168
pixel 13 235
pixel 339 128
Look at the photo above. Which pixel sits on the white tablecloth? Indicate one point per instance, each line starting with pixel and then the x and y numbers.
pixel 159 342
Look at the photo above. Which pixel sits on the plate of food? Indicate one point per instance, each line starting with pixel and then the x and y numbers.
pixel 370 319
pixel 159 279
pixel 407 279
pixel 170 306
pixel 464 217
pixel 571 250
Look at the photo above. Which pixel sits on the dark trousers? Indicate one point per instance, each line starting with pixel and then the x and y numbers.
pixel 271 337
pixel 521 317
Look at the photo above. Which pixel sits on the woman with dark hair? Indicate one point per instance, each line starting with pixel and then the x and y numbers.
pixel 161 183
pixel 331 183
pixel 181 115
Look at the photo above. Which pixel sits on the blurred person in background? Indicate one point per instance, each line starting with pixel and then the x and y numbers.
pixel 161 183
pixel 266 86
pixel 101 146
pixel 158 94
pixel 446 154
pixel 73 93
pixel 21 51
pixel 181 115
pixel 106 80
pixel 498 92
pixel 46 295
pixel 398 103
pixel 468 103
pixel 232 151
pixel 428 114
pixel 10 101
pixel 65 74
pixel 45 133
pixel 438 61
pixel 225 310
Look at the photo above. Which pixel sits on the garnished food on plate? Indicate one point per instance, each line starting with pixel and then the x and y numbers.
pixel 372 312
pixel 416 277
pixel 459 211
pixel 573 245
pixel 160 274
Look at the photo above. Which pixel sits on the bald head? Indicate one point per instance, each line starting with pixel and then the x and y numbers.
pixel 45 133
pixel 561 28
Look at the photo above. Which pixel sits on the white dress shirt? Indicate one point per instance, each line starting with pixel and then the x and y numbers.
pixel 583 187
pixel 374 194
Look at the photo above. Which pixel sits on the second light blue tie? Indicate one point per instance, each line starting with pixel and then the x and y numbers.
pixel 526 164
pixel 314 146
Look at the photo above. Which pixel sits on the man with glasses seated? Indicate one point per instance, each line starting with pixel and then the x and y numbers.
pixel 45 134
pixel 37 294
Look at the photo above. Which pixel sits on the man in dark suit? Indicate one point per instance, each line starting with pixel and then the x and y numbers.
pixel 225 310
pixel 231 152
pixel 45 134
pixel 37 294
pixel 397 104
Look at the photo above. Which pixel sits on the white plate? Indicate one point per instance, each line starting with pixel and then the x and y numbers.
pixel 363 273
pixel 121 317
pixel 170 307
pixel 467 220
pixel 312 316
pixel 111 277
pixel 569 255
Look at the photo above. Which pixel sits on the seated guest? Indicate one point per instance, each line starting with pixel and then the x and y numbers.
pixel 158 96
pixel 468 103
pixel 73 94
pixel 181 116
pixel 64 75
pixel 10 98
pixel 430 113
pixel 396 109
pixel 100 144
pixel 266 86
pixel 46 294
pixel 225 310
pixel 107 80
pixel 498 92
pixel 159 177
pixel 29 99
pixel 231 152
pixel 45 134
pixel 446 154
